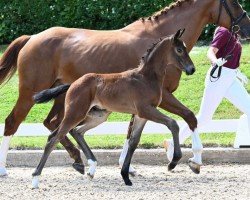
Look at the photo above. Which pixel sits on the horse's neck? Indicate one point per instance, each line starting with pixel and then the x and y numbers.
pixel 154 69
pixel 191 16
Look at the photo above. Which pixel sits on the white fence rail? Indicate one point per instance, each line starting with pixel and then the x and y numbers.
pixel 214 126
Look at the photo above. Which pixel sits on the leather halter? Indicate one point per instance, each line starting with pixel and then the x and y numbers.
pixel 234 21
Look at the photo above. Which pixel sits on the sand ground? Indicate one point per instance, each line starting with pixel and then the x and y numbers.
pixel 227 181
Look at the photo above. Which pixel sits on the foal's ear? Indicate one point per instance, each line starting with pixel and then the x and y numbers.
pixel 179 33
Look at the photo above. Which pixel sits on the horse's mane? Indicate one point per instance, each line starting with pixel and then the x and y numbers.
pixel 164 11
pixel 148 52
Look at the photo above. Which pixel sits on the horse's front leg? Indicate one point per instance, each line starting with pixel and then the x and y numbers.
pixel 152 114
pixel 136 130
pixel 171 104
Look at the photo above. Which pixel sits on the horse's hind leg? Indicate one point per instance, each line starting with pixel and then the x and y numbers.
pixel 95 117
pixel 53 120
pixel 48 149
pixel 70 121
pixel 132 170
pixel 12 122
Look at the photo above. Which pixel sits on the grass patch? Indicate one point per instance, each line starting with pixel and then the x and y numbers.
pixel 116 141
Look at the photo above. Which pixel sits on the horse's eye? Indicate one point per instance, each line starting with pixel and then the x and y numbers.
pixel 235 3
pixel 179 50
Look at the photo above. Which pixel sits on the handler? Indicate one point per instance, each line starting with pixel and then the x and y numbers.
pixel 223 79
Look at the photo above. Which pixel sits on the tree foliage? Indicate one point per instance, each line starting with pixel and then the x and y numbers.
pixel 33 16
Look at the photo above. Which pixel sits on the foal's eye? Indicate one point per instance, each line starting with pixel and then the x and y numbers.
pixel 235 3
pixel 179 50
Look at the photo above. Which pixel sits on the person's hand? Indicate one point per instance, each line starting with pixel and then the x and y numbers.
pixel 220 62
pixel 242 77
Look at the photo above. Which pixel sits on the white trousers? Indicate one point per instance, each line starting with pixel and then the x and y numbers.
pixel 227 86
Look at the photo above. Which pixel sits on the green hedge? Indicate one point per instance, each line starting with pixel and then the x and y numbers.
pixel 18 17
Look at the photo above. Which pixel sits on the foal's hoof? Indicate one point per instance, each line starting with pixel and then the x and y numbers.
pixel 3 172
pixel 171 166
pixel 126 179
pixel 35 182
pixel 128 182
pixel 79 167
pixel 90 176
pixel 194 167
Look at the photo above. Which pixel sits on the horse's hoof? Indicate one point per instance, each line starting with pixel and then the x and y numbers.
pixel 3 171
pixel 171 166
pixel 133 173
pixel 125 178
pixel 90 176
pixel 79 167
pixel 128 182
pixel 35 182
pixel 194 167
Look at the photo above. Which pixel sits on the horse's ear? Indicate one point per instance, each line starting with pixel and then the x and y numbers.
pixel 182 31
pixel 178 34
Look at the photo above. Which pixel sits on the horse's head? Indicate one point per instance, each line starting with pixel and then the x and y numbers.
pixel 170 51
pixel 179 56
pixel 230 14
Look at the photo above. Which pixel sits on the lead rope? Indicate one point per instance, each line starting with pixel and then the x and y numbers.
pixel 227 57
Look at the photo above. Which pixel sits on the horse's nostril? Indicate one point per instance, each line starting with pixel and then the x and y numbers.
pixel 190 70
pixel 193 70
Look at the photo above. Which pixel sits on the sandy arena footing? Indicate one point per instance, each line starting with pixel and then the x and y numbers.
pixel 152 182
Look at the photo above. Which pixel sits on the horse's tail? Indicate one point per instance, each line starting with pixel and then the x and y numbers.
pixel 8 62
pixel 49 94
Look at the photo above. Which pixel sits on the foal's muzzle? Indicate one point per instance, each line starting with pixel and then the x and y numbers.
pixel 190 70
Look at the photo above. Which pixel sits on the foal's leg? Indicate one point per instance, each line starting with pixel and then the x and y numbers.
pixel 67 124
pixel 171 104
pixel 94 118
pixel 154 115
pixel 52 122
pixel 74 114
pixel 57 135
pixel 12 122
pixel 132 170
pixel 137 128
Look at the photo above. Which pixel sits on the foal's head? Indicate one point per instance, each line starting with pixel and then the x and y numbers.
pixel 178 54
pixel 170 51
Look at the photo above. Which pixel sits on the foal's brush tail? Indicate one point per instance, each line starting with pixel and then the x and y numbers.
pixel 8 62
pixel 49 94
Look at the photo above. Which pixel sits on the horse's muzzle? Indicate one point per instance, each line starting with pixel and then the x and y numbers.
pixel 190 70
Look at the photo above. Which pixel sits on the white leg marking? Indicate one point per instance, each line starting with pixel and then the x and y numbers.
pixel 169 146
pixel 92 168
pixel 3 154
pixel 124 152
pixel 123 156
pixel 35 182
pixel 196 147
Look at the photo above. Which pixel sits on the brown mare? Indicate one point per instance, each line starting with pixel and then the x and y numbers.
pixel 61 55
pixel 137 91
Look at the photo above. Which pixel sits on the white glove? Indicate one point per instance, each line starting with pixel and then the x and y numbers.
pixel 220 62
pixel 242 77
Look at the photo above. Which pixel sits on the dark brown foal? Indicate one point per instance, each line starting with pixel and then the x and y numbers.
pixel 137 91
